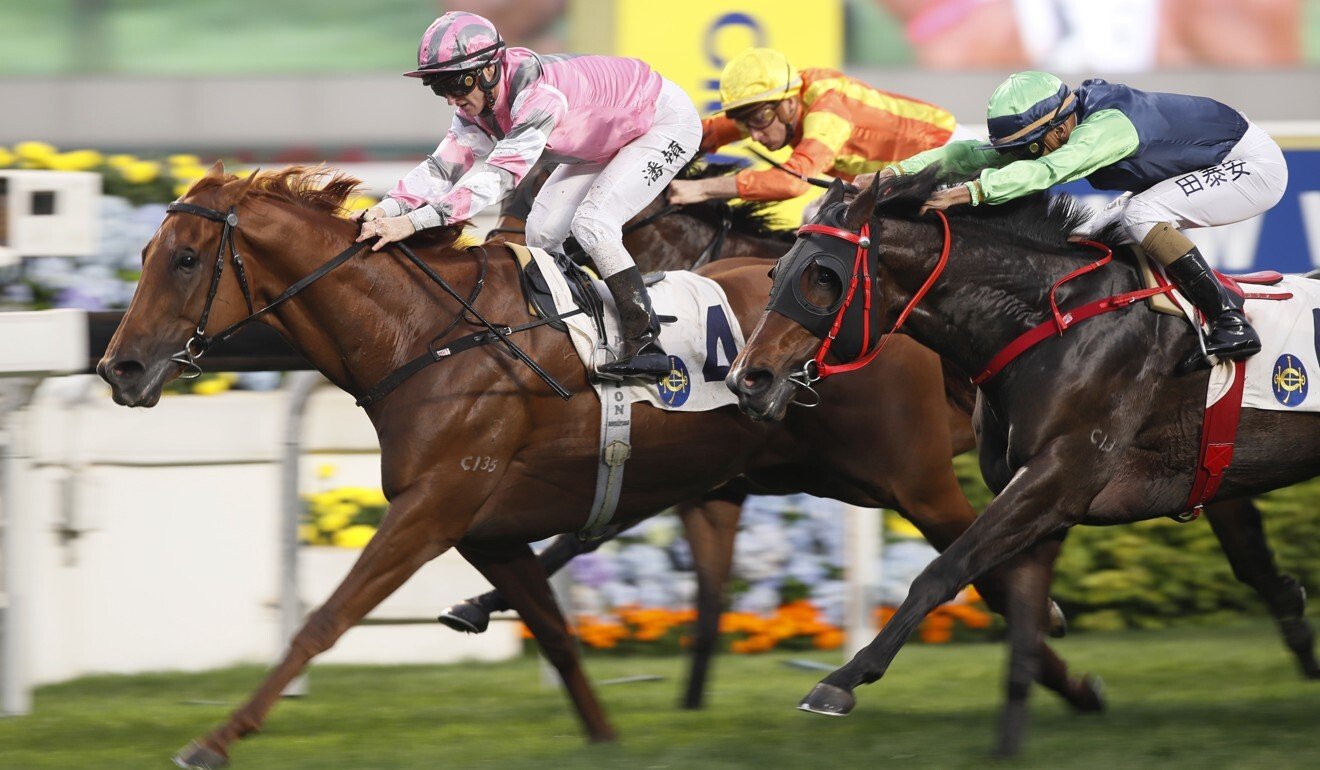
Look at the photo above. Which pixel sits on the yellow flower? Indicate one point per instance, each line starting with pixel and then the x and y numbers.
pixel 140 172
pixel 35 152
pixel 210 387
pixel 81 160
pixel 333 521
pixel 184 159
pixel 326 470
pixel 7 158
pixel 358 203
pixel 308 533
pixel 354 537
pixel 181 189
pixel 121 160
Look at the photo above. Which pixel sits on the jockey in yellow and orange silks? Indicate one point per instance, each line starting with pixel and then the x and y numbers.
pixel 836 125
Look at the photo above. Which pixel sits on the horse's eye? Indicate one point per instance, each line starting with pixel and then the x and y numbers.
pixel 186 259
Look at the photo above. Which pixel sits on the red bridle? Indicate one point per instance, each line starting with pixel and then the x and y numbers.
pixel 862 267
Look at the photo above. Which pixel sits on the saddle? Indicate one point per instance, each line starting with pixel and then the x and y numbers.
pixel 536 290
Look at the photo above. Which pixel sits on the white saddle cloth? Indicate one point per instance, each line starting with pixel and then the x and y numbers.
pixel 701 345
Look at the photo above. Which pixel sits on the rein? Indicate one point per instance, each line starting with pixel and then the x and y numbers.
pixel 199 343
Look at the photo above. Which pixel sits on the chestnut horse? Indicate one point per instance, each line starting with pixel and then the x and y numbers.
pixel 1038 419
pixel 370 313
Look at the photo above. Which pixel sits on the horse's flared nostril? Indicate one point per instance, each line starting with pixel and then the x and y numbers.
pixel 122 371
pixel 755 381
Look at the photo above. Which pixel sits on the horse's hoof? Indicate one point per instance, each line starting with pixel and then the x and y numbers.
pixel 1092 697
pixel 195 756
pixel 1058 627
pixel 466 617
pixel 828 700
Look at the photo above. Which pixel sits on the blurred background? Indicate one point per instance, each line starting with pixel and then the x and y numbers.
pixel 122 104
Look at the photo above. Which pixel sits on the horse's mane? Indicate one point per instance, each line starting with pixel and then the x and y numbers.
pixel 748 217
pixel 1039 220
pixel 316 188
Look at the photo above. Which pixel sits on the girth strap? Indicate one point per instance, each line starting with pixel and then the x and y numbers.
pixel 615 449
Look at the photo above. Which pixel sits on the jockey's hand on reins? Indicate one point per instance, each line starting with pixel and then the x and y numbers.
pixel 387 230
pixel 948 198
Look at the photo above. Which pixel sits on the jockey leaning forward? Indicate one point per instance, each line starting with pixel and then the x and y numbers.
pixel 1184 161
pixel 620 130
pixel 836 125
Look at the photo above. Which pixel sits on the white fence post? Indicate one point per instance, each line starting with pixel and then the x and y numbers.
pixel 862 550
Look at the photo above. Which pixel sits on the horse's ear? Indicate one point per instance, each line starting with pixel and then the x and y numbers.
pixel 217 170
pixel 861 207
pixel 833 195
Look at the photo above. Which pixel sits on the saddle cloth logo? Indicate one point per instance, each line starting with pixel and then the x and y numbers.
pixel 675 387
pixel 1289 381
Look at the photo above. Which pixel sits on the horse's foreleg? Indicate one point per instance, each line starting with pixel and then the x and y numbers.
pixel 473 615
pixel 514 571
pixel 711 526
pixel 400 547
pixel 1237 524
pixel 1027 613
pixel 942 515
pixel 1038 503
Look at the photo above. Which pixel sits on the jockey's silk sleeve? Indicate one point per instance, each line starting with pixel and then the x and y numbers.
pixel 963 158
pixel 485 171
pixel 434 177
pixel 1105 137
pixel 717 132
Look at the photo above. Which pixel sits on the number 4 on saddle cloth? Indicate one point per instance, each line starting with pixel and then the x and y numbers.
pixel 699 332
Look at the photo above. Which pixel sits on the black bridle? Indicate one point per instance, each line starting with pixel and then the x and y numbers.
pixel 199 343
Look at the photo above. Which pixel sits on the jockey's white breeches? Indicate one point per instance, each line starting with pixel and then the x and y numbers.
pixel 1248 182
pixel 593 201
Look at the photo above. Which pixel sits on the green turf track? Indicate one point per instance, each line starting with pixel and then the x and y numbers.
pixel 1185 698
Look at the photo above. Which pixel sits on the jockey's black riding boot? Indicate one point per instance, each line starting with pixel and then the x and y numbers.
pixel 1231 336
pixel 641 355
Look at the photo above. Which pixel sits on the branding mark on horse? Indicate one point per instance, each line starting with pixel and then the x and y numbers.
pixel 1102 441
pixel 478 463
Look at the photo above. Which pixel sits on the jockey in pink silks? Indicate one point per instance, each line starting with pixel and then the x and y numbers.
pixel 620 131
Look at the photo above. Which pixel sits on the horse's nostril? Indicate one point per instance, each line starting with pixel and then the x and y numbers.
pixel 756 381
pixel 127 370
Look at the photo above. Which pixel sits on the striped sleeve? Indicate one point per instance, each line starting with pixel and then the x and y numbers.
pixel 825 129
pixel 717 132
pixel 1105 137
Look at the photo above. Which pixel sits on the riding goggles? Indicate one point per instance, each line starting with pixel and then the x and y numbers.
pixel 453 85
pixel 756 116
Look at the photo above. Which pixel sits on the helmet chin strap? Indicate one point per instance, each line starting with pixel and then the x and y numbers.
pixel 488 87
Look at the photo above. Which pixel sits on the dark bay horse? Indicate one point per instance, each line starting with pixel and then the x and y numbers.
pixel 376 311
pixel 1090 428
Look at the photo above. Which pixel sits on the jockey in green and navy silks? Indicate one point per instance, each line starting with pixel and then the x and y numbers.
pixel 1182 161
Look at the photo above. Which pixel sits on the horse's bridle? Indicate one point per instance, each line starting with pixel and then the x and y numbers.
pixel 199 343
pixel 815 368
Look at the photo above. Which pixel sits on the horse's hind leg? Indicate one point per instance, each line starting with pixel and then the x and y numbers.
pixel 404 542
pixel 514 571
pixel 1028 614
pixel 711 526
pixel 1237 524
pixel 473 615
